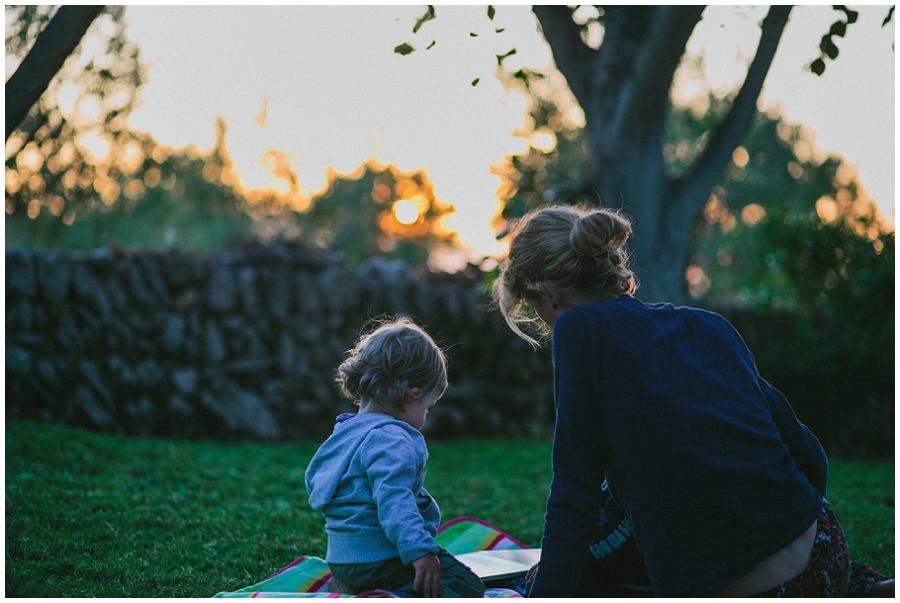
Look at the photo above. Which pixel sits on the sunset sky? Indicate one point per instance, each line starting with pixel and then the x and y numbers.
pixel 335 93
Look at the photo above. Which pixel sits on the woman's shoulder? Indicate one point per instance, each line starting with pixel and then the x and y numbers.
pixel 627 313
pixel 597 311
pixel 581 326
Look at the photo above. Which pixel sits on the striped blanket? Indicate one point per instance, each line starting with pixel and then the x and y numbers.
pixel 309 576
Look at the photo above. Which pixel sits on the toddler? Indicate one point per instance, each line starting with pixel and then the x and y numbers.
pixel 367 478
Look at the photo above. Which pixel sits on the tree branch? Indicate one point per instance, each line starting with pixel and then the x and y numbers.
pixel 51 49
pixel 646 94
pixel 712 163
pixel 572 56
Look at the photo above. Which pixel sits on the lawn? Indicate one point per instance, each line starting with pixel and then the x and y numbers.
pixel 92 515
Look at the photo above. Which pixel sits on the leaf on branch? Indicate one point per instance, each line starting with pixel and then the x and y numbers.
pixel 491 12
pixel 475 81
pixel 838 28
pixel 887 19
pixel 500 57
pixel 828 47
pixel 428 16
pixel 852 15
pixel 433 42
pixel 817 67
pixel 404 49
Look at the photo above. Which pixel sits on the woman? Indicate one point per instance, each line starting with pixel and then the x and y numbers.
pixel 723 486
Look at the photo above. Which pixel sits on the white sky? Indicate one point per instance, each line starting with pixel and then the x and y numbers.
pixel 338 93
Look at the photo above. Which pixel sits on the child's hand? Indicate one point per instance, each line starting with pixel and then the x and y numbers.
pixel 428 575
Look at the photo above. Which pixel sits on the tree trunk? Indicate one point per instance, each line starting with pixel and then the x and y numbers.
pixel 623 89
pixel 51 49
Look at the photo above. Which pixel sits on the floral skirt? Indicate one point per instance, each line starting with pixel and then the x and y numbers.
pixel 830 572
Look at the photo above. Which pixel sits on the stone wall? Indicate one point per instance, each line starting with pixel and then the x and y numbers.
pixel 244 344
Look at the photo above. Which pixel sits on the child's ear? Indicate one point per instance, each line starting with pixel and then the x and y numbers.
pixel 414 395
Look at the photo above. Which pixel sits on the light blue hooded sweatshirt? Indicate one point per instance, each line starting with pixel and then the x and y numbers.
pixel 367 480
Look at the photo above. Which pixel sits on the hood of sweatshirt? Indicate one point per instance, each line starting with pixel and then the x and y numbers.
pixel 331 461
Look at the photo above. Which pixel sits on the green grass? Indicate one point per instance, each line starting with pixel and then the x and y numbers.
pixel 89 515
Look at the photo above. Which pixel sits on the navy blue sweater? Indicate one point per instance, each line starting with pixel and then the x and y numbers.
pixel 706 458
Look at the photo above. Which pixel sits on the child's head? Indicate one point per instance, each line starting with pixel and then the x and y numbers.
pixel 396 364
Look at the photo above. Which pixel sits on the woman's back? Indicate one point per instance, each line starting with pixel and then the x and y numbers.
pixel 699 451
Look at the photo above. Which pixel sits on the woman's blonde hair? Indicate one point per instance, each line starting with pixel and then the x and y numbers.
pixel 559 250
pixel 395 363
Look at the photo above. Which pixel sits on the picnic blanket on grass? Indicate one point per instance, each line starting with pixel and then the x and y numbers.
pixel 309 576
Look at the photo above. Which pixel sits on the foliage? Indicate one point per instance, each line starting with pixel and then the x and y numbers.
pixel 97 515
pixel 77 177
pixel 553 167
pixel 74 181
pixel 191 200
pixel 838 29
pixel 406 48
pixel 74 145
pixel 776 179
pixel 828 47
pixel 171 199
pixel 376 211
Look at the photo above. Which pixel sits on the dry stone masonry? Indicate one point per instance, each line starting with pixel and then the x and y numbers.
pixel 244 344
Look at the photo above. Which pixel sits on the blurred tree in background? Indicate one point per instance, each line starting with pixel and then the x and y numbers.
pixel 620 64
pixel 77 177
pixel 73 145
pixel 377 211
pixel 193 200
pixel 59 36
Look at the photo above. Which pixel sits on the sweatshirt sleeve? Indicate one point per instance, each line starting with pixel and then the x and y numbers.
pixel 579 461
pixel 804 447
pixel 394 468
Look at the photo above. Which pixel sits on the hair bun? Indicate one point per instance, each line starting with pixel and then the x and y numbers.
pixel 595 231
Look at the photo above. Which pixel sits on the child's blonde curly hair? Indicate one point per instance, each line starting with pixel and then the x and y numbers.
pixel 394 364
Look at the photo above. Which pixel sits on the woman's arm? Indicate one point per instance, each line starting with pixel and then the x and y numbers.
pixel 804 446
pixel 579 460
